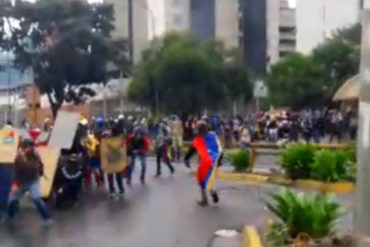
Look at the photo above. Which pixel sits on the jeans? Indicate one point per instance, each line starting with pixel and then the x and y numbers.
pixel 131 167
pixel 5 187
pixel 118 177
pixel 34 189
pixel 162 152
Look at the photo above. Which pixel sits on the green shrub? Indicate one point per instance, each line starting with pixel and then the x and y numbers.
pixel 352 152
pixel 315 215
pixel 296 160
pixel 240 160
pixel 331 166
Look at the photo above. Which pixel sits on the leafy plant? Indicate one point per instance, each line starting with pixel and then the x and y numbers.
pixel 296 160
pixel 315 215
pixel 240 160
pixel 331 166
pixel 277 236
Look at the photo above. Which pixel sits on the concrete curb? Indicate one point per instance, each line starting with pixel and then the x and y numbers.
pixel 250 178
pixel 251 237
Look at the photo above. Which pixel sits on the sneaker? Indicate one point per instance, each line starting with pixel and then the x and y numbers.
pixel 121 194
pixel 47 223
pixel 202 203
pixel 112 195
pixel 215 197
pixel 157 175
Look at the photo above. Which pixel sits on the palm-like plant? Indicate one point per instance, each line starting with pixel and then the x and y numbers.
pixel 315 215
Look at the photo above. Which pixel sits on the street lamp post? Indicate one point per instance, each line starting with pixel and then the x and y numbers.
pixel 362 207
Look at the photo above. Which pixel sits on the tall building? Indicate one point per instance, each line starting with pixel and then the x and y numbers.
pixel 287 29
pixel 317 20
pixel 203 16
pixel 177 15
pixel 132 23
pixel 227 14
pixel 254 35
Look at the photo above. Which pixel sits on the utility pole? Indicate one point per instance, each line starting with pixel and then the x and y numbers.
pixel 131 30
pixel 362 207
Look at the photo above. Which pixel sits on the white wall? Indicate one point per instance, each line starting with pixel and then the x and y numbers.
pixel 318 19
pixel 273 18
pixel 140 27
pixel 227 22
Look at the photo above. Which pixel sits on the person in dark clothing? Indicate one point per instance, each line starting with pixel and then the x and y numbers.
pixel 28 169
pixel 138 146
pixel 119 127
pixel 162 144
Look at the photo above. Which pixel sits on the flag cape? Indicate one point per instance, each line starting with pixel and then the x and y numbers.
pixel 209 149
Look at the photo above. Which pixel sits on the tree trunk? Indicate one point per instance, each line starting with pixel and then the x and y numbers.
pixel 55 106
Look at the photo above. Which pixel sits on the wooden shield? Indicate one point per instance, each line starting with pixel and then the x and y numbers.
pixel 113 154
pixel 9 141
pixel 64 130
pixel 49 157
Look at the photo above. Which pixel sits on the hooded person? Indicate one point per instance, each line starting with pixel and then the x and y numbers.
pixel 28 169
pixel 207 145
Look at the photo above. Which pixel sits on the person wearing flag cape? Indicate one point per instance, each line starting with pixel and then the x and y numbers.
pixel 207 145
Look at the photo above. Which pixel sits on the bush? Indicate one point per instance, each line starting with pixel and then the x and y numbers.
pixel 331 166
pixel 240 160
pixel 315 215
pixel 296 160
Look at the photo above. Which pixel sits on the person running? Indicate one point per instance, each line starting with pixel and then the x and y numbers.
pixel 138 146
pixel 162 144
pixel 207 145
pixel 28 170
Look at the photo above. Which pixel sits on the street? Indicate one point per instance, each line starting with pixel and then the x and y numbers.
pixel 161 213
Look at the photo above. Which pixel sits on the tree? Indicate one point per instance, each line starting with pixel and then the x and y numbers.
pixel 339 58
pixel 68 45
pixel 237 80
pixel 350 35
pixel 296 82
pixel 180 74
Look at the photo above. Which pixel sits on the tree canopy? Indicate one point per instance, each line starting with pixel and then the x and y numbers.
pixel 296 81
pixel 68 45
pixel 179 74
pixel 301 81
pixel 339 58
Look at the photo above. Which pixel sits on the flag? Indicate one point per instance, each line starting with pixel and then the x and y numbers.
pixel 209 149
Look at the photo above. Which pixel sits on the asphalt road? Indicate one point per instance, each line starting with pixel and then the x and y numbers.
pixel 162 213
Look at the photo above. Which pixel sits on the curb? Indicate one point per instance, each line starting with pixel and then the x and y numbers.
pixel 251 237
pixel 249 178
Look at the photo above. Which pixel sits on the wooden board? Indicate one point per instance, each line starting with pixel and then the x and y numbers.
pixel 64 130
pixel 49 157
pixel 9 141
pixel 113 155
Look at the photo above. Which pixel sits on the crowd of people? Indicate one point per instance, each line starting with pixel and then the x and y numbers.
pixel 165 138
pixel 324 125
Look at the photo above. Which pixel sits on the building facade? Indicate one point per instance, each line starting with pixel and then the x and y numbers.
pixel 203 16
pixel 227 15
pixel 132 22
pixel 177 15
pixel 254 35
